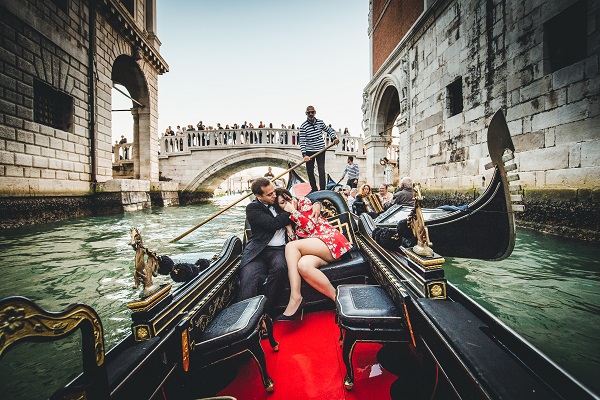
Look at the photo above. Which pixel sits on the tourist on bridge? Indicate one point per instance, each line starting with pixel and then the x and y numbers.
pixel 125 149
pixel 353 173
pixel 311 142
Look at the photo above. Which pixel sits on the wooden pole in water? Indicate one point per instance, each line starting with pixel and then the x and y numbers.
pixel 246 195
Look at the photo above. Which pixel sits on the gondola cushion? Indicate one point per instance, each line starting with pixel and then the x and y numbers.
pixel 232 324
pixel 366 306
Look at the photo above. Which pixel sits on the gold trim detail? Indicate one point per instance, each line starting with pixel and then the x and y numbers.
pixel 345 228
pixel 201 321
pixel 328 210
pixel 383 274
pixel 142 333
pixel 436 290
pixel 21 318
pixel 148 302
pixel 429 263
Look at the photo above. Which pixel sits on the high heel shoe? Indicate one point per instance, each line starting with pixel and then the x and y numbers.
pixel 299 310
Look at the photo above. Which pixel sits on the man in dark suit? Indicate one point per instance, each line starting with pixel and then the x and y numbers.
pixel 263 259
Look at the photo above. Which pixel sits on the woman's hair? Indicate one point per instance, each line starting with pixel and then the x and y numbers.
pixel 365 186
pixel 287 196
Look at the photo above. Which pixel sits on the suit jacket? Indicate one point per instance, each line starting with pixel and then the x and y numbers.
pixel 263 225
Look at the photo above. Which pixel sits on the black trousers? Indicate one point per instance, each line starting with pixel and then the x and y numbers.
pixel 265 274
pixel 351 183
pixel 310 170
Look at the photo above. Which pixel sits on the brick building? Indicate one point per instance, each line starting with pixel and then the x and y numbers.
pixel 59 62
pixel 440 69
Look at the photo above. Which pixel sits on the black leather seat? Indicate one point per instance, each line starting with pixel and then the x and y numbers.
pixel 366 313
pixel 236 330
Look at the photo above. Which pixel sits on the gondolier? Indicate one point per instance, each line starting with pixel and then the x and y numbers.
pixel 311 142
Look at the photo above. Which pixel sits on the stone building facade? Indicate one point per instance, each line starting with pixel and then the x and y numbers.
pixel 59 62
pixel 454 63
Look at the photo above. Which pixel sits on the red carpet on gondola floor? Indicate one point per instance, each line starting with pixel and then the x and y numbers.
pixel 309 365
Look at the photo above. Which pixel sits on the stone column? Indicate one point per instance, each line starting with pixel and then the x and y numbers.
pixel 376 147
pixel 145 147
pixel 136 143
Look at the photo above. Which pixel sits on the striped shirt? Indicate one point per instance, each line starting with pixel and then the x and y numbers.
pixel 311 138
pixel 352 171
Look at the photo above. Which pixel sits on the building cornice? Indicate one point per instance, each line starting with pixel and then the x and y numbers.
pixel 120 19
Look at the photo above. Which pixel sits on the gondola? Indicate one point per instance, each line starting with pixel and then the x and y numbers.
pixel 421 339
pixel 483 229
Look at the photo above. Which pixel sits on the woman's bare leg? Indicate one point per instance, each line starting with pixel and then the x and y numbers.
pixel 292 256
pixel 304 257
pixel 308 267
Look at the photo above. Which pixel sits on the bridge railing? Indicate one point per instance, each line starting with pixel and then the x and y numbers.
pixel 392 152
pixel 122 153
pixel 247 138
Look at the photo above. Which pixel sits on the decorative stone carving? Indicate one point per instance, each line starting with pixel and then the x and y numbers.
pixel 403 119
pixel 366 110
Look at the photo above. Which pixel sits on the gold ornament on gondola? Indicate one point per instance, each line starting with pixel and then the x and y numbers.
pixel 417 224
pixel 144 270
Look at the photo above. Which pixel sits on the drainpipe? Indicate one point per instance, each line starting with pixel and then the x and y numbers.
pixel 92 92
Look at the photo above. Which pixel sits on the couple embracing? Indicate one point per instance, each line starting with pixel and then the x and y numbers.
pixel 276 220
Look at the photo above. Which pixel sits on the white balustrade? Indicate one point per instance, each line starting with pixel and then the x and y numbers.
pixel 122 153
pixel 246 138
pixel 392 152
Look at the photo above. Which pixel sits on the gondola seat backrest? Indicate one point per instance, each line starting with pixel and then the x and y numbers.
pixel 27 322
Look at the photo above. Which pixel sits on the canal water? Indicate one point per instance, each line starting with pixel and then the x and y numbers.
pixel 548 290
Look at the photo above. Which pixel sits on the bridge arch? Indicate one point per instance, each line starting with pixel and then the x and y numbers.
pixel 218 171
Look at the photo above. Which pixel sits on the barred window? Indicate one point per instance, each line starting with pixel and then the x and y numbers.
pixel 454 97
pixel 565 38
pixel 51 107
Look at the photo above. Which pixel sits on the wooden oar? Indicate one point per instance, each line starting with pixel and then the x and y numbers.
pixel 246 195
pixel 338 182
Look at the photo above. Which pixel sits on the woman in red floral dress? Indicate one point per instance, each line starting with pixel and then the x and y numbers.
pixel 321 245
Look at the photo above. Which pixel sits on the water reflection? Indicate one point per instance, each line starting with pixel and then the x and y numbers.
pixel 548 290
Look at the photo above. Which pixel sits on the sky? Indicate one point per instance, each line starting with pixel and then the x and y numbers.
pixel 232 61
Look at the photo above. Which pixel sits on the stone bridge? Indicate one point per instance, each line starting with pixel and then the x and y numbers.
pixel 204 159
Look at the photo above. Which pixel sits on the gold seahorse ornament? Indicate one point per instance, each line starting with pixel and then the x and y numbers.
pixel 417 224
pixel 144 269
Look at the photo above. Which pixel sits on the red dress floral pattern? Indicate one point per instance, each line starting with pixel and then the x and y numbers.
pixel 321 229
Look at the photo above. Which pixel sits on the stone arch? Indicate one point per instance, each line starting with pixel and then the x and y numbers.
pixel 214 174
pixel 386 105
pixel 126 72
pixel 384 111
